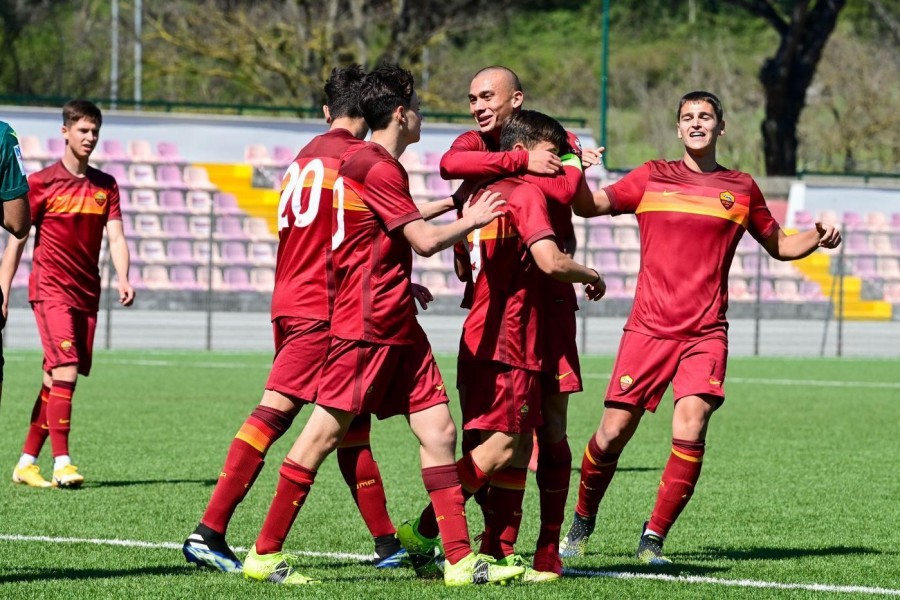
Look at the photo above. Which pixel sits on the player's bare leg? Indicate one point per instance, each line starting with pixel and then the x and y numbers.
pixel 690 421
pixel 601 457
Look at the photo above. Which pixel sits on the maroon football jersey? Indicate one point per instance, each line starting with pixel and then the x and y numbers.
pixel 690 225
pixel 69 213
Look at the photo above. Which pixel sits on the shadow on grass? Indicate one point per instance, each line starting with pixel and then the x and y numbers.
pixel 713 552
pixel 576 468
pixel 112 483
pixel 43 575
pixel 626 569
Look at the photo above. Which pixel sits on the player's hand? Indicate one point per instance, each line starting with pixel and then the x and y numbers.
pixel 597 289
pixel 465 191
pixel 126 294
pixel 484 210
pixel 422 295
pixel 829 236
pixel 543 162
pixel 592 156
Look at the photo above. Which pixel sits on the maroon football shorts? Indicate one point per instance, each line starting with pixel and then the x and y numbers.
pixel 301 346
pixel 67 335
pixel 645 366
pixel 562 369
pixel 498 397
pixel 360 377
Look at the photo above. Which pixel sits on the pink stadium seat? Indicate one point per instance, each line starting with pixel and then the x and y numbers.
pixel 172 202
pixel 237 279
pixel 852 220
pixel 892 292
pixel 203 277
pixel 737 267
pixel 197 178
pixel 751 263
pixel 229 228
pixel 176 226
pixel 283 155
pixel 766 290
pixel 863 266
pixel 877 221
pixel 144 200
pixel 199 226
pixel 630 262
pixel 607 261
pixel 125 201
pixel 112 150
pixel 439 187
pixel 630 285
pixel 142 175
pixel 811 291
pixel 601 236
pixel 803 219
pixel 156 277
pixel 626 238
pixel 455 287
pixel 152 251
pixel 31 148
pixel 428 262
pixel 435 281
pixel 417 187
pixel 56 147
pixel 140 151
pixel 201 254
pixel 412 162
pixel 32 166
pixel 199 202
pixel 168 152
pixel 262 279
pixel 128 225
pixel 226 204
pixel 262 254
pixel 169 177
pixel 895 221
pixel 856 242
pixel 828 217
pixel 184 277
pixel 615 286
pixel 787 290
pixel 888 267
pixel 739 291
pixel 257 154
pixel 234 253
pixel 119 172
pixel 179 251
pixel 147 225
pixel 432 161
pixel 257 229
pixel 781 268
pixel 880 243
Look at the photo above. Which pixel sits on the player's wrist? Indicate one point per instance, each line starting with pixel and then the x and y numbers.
pixel 596 280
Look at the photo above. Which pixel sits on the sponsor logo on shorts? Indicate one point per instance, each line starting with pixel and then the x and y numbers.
pixel 100 198
pixel 560 377
pixel 439 387
pixel 727 199
pixel 714 381
pixel 625 382
pixel 65 345
pixel 64 421
pixel 365 484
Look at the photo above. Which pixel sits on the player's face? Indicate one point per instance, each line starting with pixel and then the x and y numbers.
pixel 492 99
pixel 698 127
pixel 414 119
pixel 81 137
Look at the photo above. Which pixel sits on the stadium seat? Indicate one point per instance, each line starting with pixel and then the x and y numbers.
pixel 737 267
pixel 880 243
pixel 895 221
pixel 739 290
pixel 140 151
pixel 630 285
pixel 169 177
pixel 203 278
pixel 888 267
pixel 630 262
pixel 176 226
pixel 198 202
pixel 201 252
pixel 455 287
pixel 257 155
pixel 828 217
pixel 184 277
pixel 144 201
pixel 168 152
pixel 607 262
pixel 600 236
pixel 179 251
pixel 863 266
pixel 234 253
pixel 128 225
pixel 172 202
pixel 811 291
pixel 56 147
pixel 112 151
pixel 152 251
pixel 412 162
pixel 283 155
pixel 125 201
pixel 857 242
pixel 199 226
pixel 435 281
pixel 751 264
pixel 142 175
pixel 877 221
pixel 229 228
pixel 20 280
pixel 781 268
pixel 32 166
pixel 226 204
pixel 437 186
pixel 197 178
pixel 892 292
pixel 852 221
pixel 615 286
pixel 119 172
pixel 156 277
pixel 236 279
pixel 787 290
pixel 262 279
pixel 147 225
pixel 626 238
pixel 766 290
pixel 417 188
pixel 32 148
pixel 262 254
pixel 257 229
pixel 803 220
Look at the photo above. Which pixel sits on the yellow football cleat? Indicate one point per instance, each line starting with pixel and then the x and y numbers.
pixel 67 477
pixel 31 476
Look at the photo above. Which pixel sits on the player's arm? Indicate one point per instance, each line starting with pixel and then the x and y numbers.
pixel 592 204
pixel 782 246
pixel 17 216
pixel 436 208
pixel 467 158
pixel 9 264
pixel 118 250
pixel 560 266
pixel 427 239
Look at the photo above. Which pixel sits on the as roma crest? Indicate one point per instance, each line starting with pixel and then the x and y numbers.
pixel 100 198
pixel 727 199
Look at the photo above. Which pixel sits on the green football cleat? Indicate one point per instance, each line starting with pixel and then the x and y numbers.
pixel 274 568
pixel 423 553
pixel 576 541
pixel 479 569
pixel 650 549
pixel 531 575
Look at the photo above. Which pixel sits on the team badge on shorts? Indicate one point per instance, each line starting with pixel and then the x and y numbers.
pixel 100 198
pixel 65 345
pixel 727 199
pixel 625 382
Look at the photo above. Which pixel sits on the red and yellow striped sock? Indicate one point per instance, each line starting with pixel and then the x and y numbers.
pixel 38 430
pixel 597 470
pixel 677 484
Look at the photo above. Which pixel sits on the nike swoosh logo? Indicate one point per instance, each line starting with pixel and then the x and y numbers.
pixel 439 387
pixel 563 376
pixel 64 421
pixel 670 193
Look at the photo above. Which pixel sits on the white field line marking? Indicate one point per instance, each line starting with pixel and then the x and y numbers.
pixel 143 362
pixel 748 583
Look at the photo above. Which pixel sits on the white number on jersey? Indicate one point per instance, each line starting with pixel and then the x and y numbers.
pixel 293 190
pixel 475 254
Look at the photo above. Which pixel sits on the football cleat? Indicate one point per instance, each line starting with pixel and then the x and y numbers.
pixel 274 568
pixel 479 569
pixel 650 549
pixel 400 558
pixel 531 575
pixel 31 476
pixel 67 477
pixel 576 541
pixel 208 549
pixel 423 553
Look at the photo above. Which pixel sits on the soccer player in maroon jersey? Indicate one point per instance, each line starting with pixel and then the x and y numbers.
pixel 501 352
pixel 16 213
pixel 302 304
pixel 495 94
pixel 71 204
pixel 379 360
pixel 691 214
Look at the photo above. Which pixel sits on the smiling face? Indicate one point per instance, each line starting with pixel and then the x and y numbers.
pixel 492 98
pixel 698 126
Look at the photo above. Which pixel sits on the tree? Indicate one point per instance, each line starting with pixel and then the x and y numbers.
pixel 787 75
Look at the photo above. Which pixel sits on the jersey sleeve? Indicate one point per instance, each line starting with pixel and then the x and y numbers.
pixel 528 212
pixel 762 224
pixel 115 205
pixel 387 195
pixel 36 197
pixel 625 195
pixel 469 158
pixel 559 188
pixel 13 182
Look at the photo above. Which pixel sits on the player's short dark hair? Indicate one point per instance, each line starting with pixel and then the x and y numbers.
pixel 513 78
pixel 342 91
pixel 383 90
pixel 701 96
pixel 75 110
pixel 529 128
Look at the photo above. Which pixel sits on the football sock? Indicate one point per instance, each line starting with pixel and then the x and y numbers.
pixel 38 429
pixel 504 508
pixel 294 483
pixel 554 470
pixel 471 478
pixel 471 439
pixel 243 463
pixel 677 484
pixel 26 460
pixel 597 470
pixel 61 461
pixel 443 486
pixel 360 471
pixel 59 415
